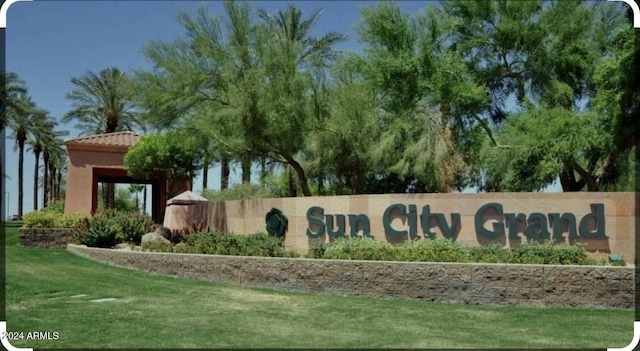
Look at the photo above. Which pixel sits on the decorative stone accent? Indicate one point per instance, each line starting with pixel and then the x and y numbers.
pixel 46 238
pixel 477 284
pixel 154 237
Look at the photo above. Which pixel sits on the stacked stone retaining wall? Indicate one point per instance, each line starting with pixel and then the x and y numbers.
pixel 46 238
pixel 540 285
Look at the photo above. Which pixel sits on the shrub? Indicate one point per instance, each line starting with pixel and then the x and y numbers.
pixel 97 231
pixel 494 253
pixel 71 220
pixel 51 219
pixel 445 250
pixel 56 206
pixel 133 226
pixel 182 235
pixel 158 247
pixel 215 243
pixel 39 219
pixel 317 248
pixel 550 253
pixel 433 250
pixel 361 249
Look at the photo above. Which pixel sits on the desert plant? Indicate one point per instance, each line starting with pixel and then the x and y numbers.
pixel 97 231
pixel 133 226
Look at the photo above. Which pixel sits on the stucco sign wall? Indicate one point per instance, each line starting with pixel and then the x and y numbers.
pixel 602 222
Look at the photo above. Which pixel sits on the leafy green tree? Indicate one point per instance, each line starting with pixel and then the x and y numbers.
pixel 425 94
pixel 175 153
pixel 548 65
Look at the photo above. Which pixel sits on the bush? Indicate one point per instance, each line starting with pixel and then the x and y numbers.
pixel 52 219
pixel 158 247
pixel 494 253
pixel 71 220
pixel 361 249
pixel 445 250
pixel 39 219
pixel 550 253
pixel 317 248
pixel 56 206
pixel 97 231
pixel 432 250
pixel 133 226
pixel 215 243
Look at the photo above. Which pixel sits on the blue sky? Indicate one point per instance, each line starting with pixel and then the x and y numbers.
pixel 48 42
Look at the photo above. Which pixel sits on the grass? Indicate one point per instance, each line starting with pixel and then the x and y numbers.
pixel 152 311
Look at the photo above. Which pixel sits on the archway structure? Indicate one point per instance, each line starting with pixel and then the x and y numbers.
pixel 99 159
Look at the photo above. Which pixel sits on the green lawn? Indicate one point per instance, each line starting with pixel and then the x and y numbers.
pixel 152 311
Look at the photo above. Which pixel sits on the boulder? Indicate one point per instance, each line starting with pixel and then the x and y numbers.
pixel 154 237
pixel 164 231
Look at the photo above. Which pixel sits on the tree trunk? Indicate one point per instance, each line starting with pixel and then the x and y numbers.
pixel 20 177
pixel 144 199
pixel 52 185
pixel 205 175
pixel 263 169
pixel 302 178
pixel 58 184
pixel 293 190
pixel 246 170
pixel 224 174
pixel 568 181
pixel 110 188
pixel 35 181
pixel 45 178
pixel 110 195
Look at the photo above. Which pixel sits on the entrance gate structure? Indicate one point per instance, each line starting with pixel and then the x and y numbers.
pixel 100 159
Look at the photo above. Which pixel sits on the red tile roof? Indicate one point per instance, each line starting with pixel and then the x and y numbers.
pixel 125 139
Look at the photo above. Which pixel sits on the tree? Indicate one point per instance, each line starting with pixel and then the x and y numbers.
pixel 425 95
pixel 136 189
pixel 54 157
pixel 102 103
pixel 45 140
pixel 293 61
pixel 13 88
pixel 527 50
pixel 175 153
pixel 19 119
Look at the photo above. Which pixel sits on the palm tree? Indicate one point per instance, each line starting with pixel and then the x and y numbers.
pixel 38 128
pixel 103 103
pixel 19 118
pixel 135 189
pixel 52 150
pixel 12 89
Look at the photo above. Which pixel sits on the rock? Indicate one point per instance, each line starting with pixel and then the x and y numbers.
pixel 164 231
pixel 154 237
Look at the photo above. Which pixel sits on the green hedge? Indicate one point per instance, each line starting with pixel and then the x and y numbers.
pixel 51 219
pixel 444 250
pixel 215 243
